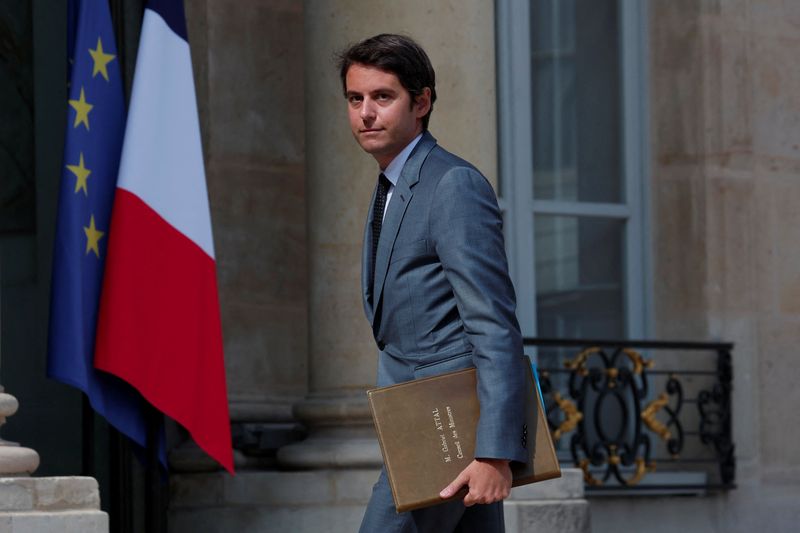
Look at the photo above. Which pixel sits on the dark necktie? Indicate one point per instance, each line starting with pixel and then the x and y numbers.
pixel 377 219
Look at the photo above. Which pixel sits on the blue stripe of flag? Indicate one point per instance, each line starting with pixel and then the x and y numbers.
pixel 172 13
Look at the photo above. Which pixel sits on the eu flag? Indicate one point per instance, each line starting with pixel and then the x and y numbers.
pixel 93 141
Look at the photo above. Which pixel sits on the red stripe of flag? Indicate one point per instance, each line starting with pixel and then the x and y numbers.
pixel 159 326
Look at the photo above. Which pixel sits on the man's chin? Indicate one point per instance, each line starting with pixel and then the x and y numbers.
pixel 372 147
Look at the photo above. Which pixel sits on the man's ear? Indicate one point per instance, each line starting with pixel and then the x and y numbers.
pixel 422 103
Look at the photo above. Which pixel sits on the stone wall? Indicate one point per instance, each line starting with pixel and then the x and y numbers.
pixel 725 115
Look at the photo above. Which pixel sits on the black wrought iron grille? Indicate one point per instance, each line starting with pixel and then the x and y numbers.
pixel 640 415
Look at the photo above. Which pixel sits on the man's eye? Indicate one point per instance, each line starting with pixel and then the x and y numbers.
pixel 353 99
pixel 383 97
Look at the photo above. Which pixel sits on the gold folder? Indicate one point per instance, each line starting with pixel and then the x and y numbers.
pixel 426 429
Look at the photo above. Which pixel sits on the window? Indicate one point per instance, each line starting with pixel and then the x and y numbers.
pixel 571 97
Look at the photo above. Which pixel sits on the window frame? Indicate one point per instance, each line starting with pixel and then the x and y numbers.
pixel 515 136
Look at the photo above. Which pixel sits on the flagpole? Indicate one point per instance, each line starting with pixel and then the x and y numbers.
pixel 122 485
pixel 155 503
pixel 87 436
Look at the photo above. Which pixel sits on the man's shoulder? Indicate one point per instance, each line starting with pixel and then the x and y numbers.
pixel 441 161
pixel 448 175
pixel 435 169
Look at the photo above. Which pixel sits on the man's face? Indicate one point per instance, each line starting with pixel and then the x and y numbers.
pixel 382 117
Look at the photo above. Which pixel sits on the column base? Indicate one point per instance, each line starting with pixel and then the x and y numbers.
pixel 554 505
pixel 341 434
pixel 321 452
pixel 51 505
pixel 16 460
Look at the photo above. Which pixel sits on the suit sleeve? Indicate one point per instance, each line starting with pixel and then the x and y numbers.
pixel 467 231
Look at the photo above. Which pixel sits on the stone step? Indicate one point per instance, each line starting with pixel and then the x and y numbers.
pixel 51 505
pixel 83 521
pixel 300 501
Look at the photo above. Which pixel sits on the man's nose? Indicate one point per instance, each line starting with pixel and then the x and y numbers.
pixel 367 109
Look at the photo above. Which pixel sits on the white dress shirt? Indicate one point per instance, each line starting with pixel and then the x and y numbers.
pixel 393 169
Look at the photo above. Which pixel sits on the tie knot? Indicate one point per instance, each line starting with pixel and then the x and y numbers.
pixel 384 181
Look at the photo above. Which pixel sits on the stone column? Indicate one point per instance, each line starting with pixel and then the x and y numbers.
pixel 340 178
pixel 249 93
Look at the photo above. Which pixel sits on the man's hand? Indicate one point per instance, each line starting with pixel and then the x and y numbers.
pixel 488 481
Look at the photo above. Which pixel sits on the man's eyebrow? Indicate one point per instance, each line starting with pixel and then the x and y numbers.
pixel 389 90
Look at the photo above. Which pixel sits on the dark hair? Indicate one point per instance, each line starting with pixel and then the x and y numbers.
pixel 397 54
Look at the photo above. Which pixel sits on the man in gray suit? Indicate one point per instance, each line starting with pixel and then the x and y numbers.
pixel 435 279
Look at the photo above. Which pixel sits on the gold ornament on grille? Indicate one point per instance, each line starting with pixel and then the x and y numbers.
pixel 649 417
pixel 579 363
pixel 573 416
pixel 571 413
pixel 642 468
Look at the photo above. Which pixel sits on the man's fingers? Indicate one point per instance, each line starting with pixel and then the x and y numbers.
pixel 470 500
pixel 452 488
pixel 484 484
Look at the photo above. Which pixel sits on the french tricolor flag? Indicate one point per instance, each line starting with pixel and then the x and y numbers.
pixel 159 324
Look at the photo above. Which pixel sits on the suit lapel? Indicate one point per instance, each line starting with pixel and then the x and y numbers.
pixel 391 225
pixel 401 197
pixel 366 262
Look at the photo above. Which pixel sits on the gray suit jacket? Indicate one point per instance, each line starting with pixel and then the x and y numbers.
pixel 442 298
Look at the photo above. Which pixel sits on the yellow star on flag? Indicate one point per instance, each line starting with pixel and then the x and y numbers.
pixel 93 236
pixel 81 174
pixel 101 60
pixel 82 108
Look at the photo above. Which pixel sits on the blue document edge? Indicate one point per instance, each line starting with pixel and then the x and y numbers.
pixel 538 386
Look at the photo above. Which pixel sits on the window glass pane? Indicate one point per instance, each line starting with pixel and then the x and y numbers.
pixel 576 100
pixel 579 289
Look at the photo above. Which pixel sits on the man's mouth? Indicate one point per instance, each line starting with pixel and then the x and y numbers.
pixel 371 130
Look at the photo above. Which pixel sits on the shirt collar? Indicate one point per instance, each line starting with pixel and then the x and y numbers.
pixel 394 168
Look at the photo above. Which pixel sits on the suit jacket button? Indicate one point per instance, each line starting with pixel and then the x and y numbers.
pixel 381 345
